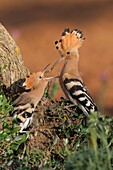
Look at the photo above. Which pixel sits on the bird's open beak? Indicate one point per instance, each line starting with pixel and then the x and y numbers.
pixel 45 69
pixel 50 78
pixel 58 61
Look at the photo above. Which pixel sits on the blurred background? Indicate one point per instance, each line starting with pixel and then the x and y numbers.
pixel 37 24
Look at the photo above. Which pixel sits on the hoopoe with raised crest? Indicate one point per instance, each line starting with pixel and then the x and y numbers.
pixel 70 79
pixel 26 103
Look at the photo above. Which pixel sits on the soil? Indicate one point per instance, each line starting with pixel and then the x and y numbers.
pixel 36 25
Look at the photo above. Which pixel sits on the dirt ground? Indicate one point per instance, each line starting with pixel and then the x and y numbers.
pixel 36 25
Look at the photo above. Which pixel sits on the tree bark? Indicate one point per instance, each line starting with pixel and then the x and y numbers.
pixel 11 61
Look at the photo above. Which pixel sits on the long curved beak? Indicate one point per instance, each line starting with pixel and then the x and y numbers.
pixel 50 78
pixel 58 61
pixel 45 69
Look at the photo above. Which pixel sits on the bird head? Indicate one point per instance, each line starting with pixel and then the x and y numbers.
pixel 69 44
pixel 36 79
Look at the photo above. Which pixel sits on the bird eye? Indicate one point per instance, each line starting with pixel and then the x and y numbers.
pixel 68 52
pixel 40 77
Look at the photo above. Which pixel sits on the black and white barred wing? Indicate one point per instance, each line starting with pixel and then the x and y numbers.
pixel 23 104
pixel 77 93
pixel 24 109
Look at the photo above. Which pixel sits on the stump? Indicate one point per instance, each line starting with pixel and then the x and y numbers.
pixel 12 69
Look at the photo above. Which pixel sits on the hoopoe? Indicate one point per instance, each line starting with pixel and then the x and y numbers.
pixel 26 103
pixel 70 79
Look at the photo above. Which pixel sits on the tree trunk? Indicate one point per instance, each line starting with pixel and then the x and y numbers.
pixel 12 68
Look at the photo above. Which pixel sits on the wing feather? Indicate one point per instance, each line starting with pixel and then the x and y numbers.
pixel 78 91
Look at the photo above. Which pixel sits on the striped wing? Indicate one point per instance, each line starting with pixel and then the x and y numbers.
pixel 77 91
pixel 24 109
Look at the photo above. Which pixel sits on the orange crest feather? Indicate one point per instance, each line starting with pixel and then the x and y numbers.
pixel 30 81
pixel 70 41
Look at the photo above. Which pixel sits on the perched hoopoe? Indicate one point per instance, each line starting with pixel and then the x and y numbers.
pixel 70 79
pixel 26 103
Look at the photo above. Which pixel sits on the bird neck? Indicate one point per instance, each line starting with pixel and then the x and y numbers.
pixel 71 66
pixel 42 85
pixel 39 90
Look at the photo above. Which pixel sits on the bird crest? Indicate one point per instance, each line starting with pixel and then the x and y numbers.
pixel 30 81
pixel 70 41
pixel 33 80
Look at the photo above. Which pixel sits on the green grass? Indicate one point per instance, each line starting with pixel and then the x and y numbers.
pixel 98 155
pixel 62 139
